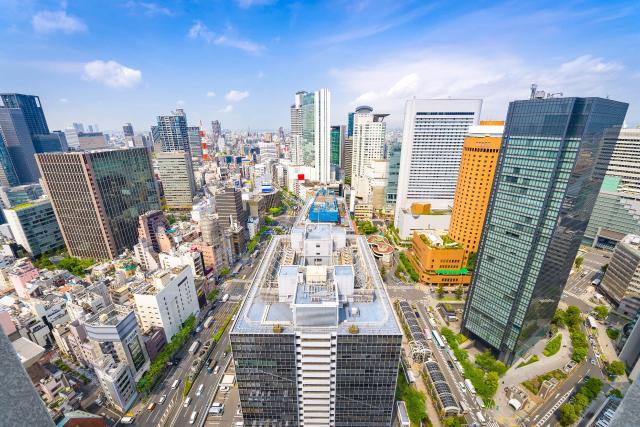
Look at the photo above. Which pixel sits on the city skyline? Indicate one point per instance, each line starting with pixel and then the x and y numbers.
pixel 83 65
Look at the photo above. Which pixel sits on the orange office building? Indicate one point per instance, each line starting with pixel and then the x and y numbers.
pixel 475 179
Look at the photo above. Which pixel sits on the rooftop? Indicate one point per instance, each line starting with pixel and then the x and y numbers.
pixel 109 316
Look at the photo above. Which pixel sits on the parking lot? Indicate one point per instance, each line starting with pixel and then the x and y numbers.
pixel 231 400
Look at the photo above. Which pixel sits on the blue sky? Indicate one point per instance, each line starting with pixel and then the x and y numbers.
pixel 241 61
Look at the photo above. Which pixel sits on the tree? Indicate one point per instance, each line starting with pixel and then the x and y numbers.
pixel 613 333
pixel 591 388
pixel 580 402
pixel 212 295
pixel 558 317
pixel 275 211
pixel 459 292
pixel 568 414
pixel 601 311
pixel 616 368
pixel 471 261
pixel 171 219
pixel 578 262
pixel 224 271
pixel 452 422
pixel 268 220
pixel 440 290
pixel 347 180
pixel 572 316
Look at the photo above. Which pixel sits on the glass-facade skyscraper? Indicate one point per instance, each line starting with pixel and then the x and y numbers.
pixel 98 196
pixel 31 108
pixel 543 193
pixel 172 132
pixel 337 141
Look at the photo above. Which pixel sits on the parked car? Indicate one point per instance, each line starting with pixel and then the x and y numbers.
pixel 216 409
pixel 224 389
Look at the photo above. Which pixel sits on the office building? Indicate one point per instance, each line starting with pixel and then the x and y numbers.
pixel 439 260
pixel 98 196
pixel 229 207
pixel 316 138
pixel 50 143
pixel 350 124
pixel 295 145
pixel 475 180
pixel 621 157
pixel 19 143
pixel 148 225
pixel 216 129
pixel 347 154
pixel 630 351
pixel 166 300
pixel 370 187
pixel 116 381
pixel 91 141
pixel 337 143
pixel 615 214
pixel 391 190
pixel 621 282
pixel 8 175
pixel 113 331
pixel 78 127
pixel 369 132
pixel 73 141
pixel 31 109
pixel 172 132
pixel 195 142
pixel 34 226
pixel 432 140
pixel 628 411
pixel 176 172
pixel 316 338
pixel 546 162
pixel 127 130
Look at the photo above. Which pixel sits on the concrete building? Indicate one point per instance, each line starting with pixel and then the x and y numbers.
pixel 347 154
pixel 91 141
pixel 148 224
pixel 370 186
pixel 369 132
pixel 116 382
pixel 71 136
pixel 113 331
pixel 229 207
pixel 621 157
pixel 475 180
pixel 166 300
pixel 525 255
pixel 34 226
pixel 13 196
pixel 195 142
pixel 296 129
pixel 176 172
pixel 111 188
pixel 316 338
pixel 432 140
pixel 438 260
pixel 316 135
pixel 621 282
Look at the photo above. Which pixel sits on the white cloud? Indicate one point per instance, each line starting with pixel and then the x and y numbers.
pixel 496 79
pixel 245 4
pixel 149 9
pixel 200 30
pixel 47 22
pixel 112 74
pixel 227 109
pixel 236 95
pixel 211 94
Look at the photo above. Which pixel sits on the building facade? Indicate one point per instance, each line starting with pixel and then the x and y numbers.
pixel 369 132
pixel 97 197
pixel 316 134
pixel 475 180
pixel 176 172
pixel 34 226
pixel 172 132
pixel 31 109
pixel 19 144
pixel 547 161
pixel 337 143
pixel 621 282
pixel 391 190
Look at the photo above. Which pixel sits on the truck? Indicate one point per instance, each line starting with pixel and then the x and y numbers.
pixel 225 298
pixel 194 347
pixel 470 386
pixel 208 322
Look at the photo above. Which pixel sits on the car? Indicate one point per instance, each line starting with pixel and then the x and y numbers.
pixel 187 401
pixel 224 355
pixel 199 329
pixel 199 391
pixel 192 418
pixel 162 399
pixel 224 389
pixel 596 354
pixel 216 369
pixel 99 402
pixel 450 364
pixel 217 408
pixel 126 420
pixel 151 406
pixel 175 384
pixel 593 361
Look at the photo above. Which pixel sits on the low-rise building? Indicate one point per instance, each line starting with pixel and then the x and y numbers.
pixel 438 260
pixel 35 227
pixel 116 381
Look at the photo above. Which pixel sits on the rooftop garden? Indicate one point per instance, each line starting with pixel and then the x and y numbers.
pixel 22 206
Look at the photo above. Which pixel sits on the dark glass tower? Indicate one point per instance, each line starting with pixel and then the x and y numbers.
pixel 337 141
pixel 31 108
pixel 172 132
pixel 544 189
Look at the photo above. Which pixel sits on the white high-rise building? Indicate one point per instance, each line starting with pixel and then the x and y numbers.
pixel 432 139
pixel 316 135
pixel 296 129
pixel 167 300
pixel 368 139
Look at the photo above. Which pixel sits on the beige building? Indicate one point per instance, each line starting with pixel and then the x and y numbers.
pixel 176 172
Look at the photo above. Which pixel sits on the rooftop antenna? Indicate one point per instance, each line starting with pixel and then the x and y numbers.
pixel 534 89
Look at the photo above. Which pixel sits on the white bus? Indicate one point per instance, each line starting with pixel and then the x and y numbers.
pixel 481 419
pixel 470 386
pixel 437 338
pixel 208 322
pixel 194 347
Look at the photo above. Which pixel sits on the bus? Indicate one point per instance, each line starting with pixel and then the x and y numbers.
pixel 208 322
pixel 481 418
pixel 464 408
pixel 470 386
pixel 225 298
pixel 437 338
pixel 194 347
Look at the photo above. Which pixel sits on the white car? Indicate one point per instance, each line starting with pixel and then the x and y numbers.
pixel 216 409
pixel 187 401
pixel 224 389
pixel 192 418
pixel 199 391
pixel 162 399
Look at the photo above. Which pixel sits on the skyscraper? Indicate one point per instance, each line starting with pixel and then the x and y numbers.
pixel 176 172
pixel 432 139
pixel 172 131
pixel 369 131
pixel 337 143
pixel 316 342
pixel 475 179
pixel 391 191
pixel 316 138
pixel 216 129
pixel 34 226
pixel 31 109
pixel 19 144
pixel 544 189
pixel 8 175
pixel 195 142
pixel 296 129
pixel 97 197
pixel 127 130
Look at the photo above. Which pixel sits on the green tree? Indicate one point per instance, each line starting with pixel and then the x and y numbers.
pixel 212 295
pixel 616 368
pixel 347 180
pixel 568 414
pixel 440 290
pixel 591 387
pixel 224 271
pixel 613 333
pixel 615 392
pixel 604 268
pixel 558 318
pixel 268 220
pixel 601 311
pixel 452 422
pixel 171 219
pixel 471 261
pixel 580 402
pixel 275 211
pixel 459 292
pixel 572 316
pixel 578 262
